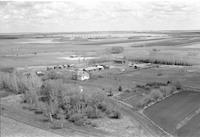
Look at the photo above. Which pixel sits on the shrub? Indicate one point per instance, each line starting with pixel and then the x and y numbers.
pixel 102 106
pixel 93 113
pixel 7 70
pixel 57 124
pixel 9 82
pixel 77 119
pixel 53 75
pixel 144 101
pixel 120 88
pixel 178 85
pixel 156 94
pixel 114 114
pixel 116 50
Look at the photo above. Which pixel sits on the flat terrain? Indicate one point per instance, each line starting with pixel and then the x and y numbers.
pixel 169 112
pixel 191 129
pixel 36 50
pixel 24 51
pixel 12 128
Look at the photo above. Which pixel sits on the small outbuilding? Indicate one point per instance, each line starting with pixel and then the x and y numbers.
pixel 119 60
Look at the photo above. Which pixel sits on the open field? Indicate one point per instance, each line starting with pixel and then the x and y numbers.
pixel 171 111
pixel 12 128
pixel 38 50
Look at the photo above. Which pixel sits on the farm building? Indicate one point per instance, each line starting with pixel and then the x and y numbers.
pixel 80 75
pixel 119 60
pixel 97 67
pixel 142 65
pixel 39 73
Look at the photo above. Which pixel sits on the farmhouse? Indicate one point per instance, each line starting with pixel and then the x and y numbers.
pixel 80 75
pixel 39 73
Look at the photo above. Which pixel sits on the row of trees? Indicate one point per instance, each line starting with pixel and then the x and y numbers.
pixel 158 92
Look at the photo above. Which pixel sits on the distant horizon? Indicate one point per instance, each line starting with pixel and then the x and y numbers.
pixel 129 31
pixel 104 15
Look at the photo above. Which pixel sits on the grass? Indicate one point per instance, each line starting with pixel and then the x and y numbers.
pixel 171 42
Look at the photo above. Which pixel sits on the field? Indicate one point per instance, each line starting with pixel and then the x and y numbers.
pixel 191 129
pixel 168 113
pixel 36 50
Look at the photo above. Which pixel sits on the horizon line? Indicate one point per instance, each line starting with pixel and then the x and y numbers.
pixel 96 31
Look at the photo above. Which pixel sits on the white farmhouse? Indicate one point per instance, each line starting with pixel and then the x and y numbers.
pixel 80 75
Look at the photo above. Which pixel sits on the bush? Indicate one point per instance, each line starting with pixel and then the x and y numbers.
pixel 93 113
pixel 144 101
pixel 114 114
pixel 178 85
pixel 57 124
pixel 120 88
pixel 156 94
pixel 7 70
pixel 116 50
pixel 52 74
pixel 9 82
pixel 102 106
pixel 77 119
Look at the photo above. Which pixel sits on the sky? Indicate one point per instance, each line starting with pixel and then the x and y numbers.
pixel 98 15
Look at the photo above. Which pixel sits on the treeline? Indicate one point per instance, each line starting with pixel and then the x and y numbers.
pixel 163 61
pixel 157 91
pixel 58 101
pixel 154 91
pixel 157 57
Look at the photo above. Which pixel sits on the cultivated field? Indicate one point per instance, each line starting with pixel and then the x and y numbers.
pixel 191 129
pixel 171 111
